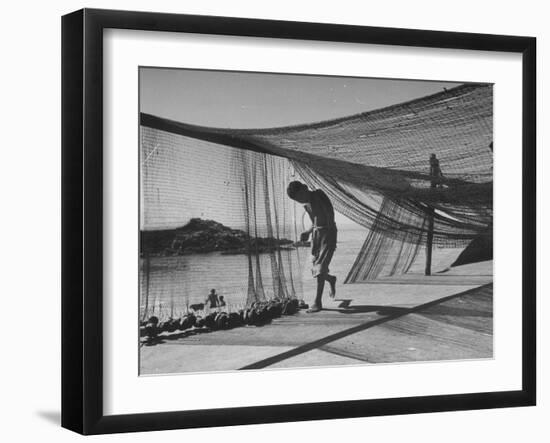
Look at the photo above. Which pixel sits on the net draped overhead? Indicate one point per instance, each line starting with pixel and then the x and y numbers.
pixel 183 178
pixel 374 166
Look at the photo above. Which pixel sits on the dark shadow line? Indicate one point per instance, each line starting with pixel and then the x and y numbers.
pixel 343 353
pixel 447 281
pixel 337 336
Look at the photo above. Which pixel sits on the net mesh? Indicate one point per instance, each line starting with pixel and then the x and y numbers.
pixel 373 166
pixel 182 179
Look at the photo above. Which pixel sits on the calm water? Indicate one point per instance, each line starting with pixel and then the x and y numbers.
pixel 175 282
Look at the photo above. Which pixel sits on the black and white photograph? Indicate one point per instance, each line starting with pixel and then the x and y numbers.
pixel 299 221
pixel 272 222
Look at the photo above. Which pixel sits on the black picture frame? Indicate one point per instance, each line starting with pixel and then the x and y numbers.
pixel 82 220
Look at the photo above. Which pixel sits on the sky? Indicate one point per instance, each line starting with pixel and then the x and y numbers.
pixel 227 99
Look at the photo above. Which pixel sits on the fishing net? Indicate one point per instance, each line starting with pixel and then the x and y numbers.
pixel 200 200
pixel 271 216
pixel 373 166
pixel 383 254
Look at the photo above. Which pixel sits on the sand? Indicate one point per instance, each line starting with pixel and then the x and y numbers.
pixel 414 319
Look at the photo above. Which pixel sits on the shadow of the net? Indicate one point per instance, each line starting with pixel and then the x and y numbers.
pixel 362 309
pixel 451 311
pixel 160 339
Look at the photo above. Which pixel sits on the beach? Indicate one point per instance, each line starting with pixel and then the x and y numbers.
pixel 401 318
pixel 446 317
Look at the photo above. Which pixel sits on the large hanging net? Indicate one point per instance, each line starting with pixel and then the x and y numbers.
pixel 374 166
pixel 232 197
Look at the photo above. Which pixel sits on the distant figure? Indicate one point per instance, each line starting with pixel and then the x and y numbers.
pixel 221 301
pixel 212 299
pixel 435 172
pixel 323 240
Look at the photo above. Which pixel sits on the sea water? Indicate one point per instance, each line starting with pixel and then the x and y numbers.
pixel 173 283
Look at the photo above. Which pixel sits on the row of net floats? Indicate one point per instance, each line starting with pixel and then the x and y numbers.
pixel 257 315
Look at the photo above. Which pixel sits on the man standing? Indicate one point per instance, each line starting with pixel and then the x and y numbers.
pixel 212 299
pixel 323 236
pixel 435 172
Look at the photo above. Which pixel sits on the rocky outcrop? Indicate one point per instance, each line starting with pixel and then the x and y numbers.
pixel 202 236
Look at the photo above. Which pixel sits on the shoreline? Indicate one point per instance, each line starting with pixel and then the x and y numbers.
pixel 382 323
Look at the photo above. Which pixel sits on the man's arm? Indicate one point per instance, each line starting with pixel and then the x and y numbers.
pixel 304 236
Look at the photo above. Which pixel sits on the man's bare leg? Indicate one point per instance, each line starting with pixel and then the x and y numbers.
pixel 332 282
pixel 318 304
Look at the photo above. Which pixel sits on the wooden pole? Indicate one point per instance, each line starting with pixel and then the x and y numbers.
pixel 434 166
pixel 429 242
pixel 147 269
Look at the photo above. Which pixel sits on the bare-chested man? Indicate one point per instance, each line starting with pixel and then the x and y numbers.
pixel 435 172
pixel 323 236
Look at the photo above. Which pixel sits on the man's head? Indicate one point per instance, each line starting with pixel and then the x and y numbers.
pixel 298 191
pixel 212 291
